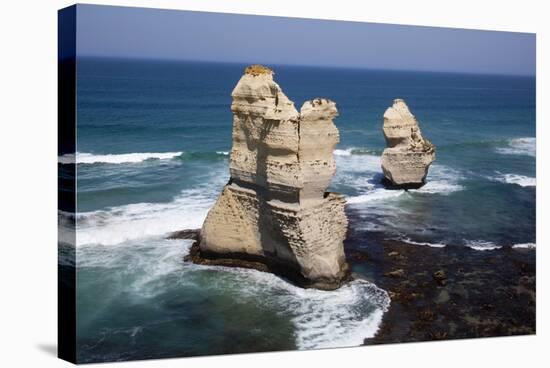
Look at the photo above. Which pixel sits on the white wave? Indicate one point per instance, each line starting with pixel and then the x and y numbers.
pixel 354 151
pixel 481 245
pixel 120 224
pixel 433 245
pixel 524 181
pixel 115 225
pixel 347 163
pixel 520 146
pixel 341 152
pixel 223 153
pixel 339 319
pixel 89 158
pixel 438 187
pixel 364 173
pixel 380 193
pixel 524 246
pixel 441 180
pixel 375 195
pixel 322 319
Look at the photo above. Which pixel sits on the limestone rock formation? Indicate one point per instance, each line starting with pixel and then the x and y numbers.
pixel 408 155
pixel 274 214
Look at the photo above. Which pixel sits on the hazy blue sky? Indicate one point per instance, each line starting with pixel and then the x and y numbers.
pixel 182 35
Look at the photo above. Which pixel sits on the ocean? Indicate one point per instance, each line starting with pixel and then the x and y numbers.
pixel 153 139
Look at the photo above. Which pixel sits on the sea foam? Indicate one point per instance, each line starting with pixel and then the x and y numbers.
pixel 342 152
pixel 441 180
pixel 439 187
pixel 524 246
pixel 356 151
pixel 123 158
pixel 378 194
pixel 433 245
pixel 122 223
pixel 322 319
pixel 520 146
pixel 363 173
pixel 481 245
pixel 524 181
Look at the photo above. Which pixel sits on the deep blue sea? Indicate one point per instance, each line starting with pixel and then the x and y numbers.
pixel 153 139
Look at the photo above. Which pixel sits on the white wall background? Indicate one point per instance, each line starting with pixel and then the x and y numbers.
pixel 28 222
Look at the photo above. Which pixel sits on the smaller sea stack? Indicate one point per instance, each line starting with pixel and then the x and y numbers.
pixel 408 155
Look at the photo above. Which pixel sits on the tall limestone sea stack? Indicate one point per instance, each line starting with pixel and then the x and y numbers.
pixel 274 214
pixel 408 155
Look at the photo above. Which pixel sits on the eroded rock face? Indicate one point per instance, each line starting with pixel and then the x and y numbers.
pixel 274 211
pixel 408 155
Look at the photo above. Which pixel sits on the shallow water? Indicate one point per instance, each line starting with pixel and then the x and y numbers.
pixel 153 142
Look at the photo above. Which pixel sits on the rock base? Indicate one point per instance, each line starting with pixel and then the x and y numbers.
pixel 388 184
pixel 264 264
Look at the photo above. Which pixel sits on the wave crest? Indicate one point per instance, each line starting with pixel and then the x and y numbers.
pixel 123 158
pixel 520 146
pixel 355 151
pixel 364 174
pixel 481 245
pixel 375 195
pixel 433 245
pixel 524 246
pixel 140 220
pixel 523 181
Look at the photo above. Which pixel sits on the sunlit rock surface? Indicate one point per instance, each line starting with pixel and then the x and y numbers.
pixel 275 213
pixel 408 155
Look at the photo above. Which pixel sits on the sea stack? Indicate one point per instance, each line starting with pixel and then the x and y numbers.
pixel 275 214
pixel 408 155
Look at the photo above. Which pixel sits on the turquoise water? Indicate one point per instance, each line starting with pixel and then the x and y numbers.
pixel 153 139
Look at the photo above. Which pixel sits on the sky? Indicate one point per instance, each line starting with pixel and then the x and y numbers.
pixel 126 32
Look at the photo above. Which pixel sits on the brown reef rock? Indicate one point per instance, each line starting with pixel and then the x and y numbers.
pixel 275 214
pixel 408 155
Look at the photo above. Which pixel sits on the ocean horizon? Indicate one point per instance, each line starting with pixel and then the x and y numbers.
pixel 243 64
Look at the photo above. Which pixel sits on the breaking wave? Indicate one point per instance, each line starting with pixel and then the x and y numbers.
pixel 354 151
pixel 520 146
pixel 481 245
pixel 524 246
pixel 524 181
pixel 120 224
pixel 364 174
pixel 441 186
pixel 433 245
pixel 487 245
pixel 322 319
pixel 341 152
pixel 132 158
pixel 123 158
pixel 375 195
